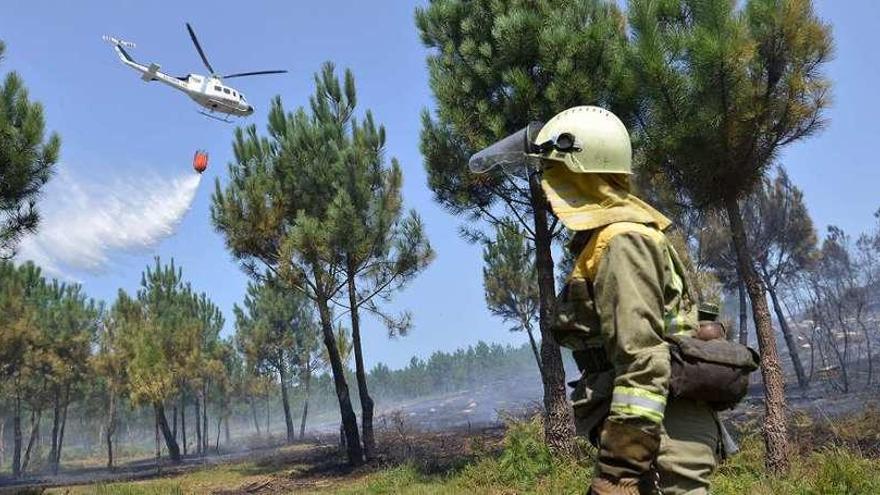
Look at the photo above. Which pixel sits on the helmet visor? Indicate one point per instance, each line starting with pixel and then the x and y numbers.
pixel 512 153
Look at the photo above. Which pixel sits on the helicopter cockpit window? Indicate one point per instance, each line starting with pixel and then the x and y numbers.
pixel 218 88
pixel 226 90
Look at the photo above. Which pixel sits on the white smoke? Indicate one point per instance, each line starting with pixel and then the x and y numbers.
pixel 85 221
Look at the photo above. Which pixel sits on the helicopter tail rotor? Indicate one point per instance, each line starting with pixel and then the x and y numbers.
pixel 118 42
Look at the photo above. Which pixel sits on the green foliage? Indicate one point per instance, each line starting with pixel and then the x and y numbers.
pixel 779 228
pixel 496 66
pixel 170 335
pixel 526 465
pixel 273 211
pixel 525 457
pixel 493 68
pixel 271 326
pixel 382 247
pixel 724 88
pixel 295 195
pixel 27 158
pixel 450 371
pixel 509 277
pixel 833 470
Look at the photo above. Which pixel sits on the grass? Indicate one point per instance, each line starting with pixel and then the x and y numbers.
pixel 829 460
pixel 197 482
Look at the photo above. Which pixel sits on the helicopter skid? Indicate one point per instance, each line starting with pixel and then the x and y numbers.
pixel 215 117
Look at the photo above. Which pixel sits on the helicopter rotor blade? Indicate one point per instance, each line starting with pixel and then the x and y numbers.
pixel 192 34
pixel 257 73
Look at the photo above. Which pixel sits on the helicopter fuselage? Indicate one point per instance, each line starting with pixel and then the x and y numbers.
pixel 207 91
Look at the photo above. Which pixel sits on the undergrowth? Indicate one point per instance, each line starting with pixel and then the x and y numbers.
pixel 525 466
pixel 828 460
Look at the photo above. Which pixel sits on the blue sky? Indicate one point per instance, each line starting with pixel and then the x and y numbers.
pixel 121 135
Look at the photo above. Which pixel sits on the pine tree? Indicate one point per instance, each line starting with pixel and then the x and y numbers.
pixel 723 90
pixel 27 158
pixel 205 364
pixel 383 248
pixel 109 364
pixel 168 332
pixel 784 240
pixel 494 67
pixel 71 328
pixel 20 343
pixel 268 331
pixel 275 210
pixel 510 283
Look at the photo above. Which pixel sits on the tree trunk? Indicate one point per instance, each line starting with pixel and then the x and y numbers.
pixel 158 445
pixel 859 309
pixel 285 400
pixel 819 315
pixel 789 338
pixel 170 443
pixel 205 436
pixel 217 443
pixel 36 418
pixel 226 433
pixel 254 412
pixel 360 372
pixel 56 461
pixel 198 407
pixel 2 441
pixel 56 428
pixel 559 430
pixel 183 419
pixel 743 314
pixel 812 353
pixel 342 441
pixel 307 382
pixel 174 421
pixel 844 360
pixel 16 438
pixel 775 429
pixel 349 420
pixel 534 344
pixel 111 428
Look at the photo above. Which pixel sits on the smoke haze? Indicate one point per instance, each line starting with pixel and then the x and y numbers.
pixel 85 221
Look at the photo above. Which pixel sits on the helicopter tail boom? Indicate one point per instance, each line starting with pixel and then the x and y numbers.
pixel 150 73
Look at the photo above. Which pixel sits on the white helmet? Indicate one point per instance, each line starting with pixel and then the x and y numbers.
pixel 588 140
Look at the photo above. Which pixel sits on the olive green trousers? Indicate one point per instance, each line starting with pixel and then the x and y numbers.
pixel 689 447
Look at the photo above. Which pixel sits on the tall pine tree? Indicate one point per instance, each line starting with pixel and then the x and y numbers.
pixel 275 210
pixel 494 67
pixel 382 246
pixel 725 86
pixel 268 330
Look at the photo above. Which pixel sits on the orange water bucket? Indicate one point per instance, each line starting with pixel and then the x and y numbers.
pixel 200 161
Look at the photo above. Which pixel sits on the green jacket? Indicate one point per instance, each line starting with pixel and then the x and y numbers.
pixel 626 292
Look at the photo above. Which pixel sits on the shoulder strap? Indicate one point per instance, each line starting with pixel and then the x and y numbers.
pixel 587 263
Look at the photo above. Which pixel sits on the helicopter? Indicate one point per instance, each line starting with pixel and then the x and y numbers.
pixel 208 91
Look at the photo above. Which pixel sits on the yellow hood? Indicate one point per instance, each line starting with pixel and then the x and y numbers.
pixel 589 201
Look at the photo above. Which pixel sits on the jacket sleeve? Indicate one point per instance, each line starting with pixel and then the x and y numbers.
pixel 629 297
